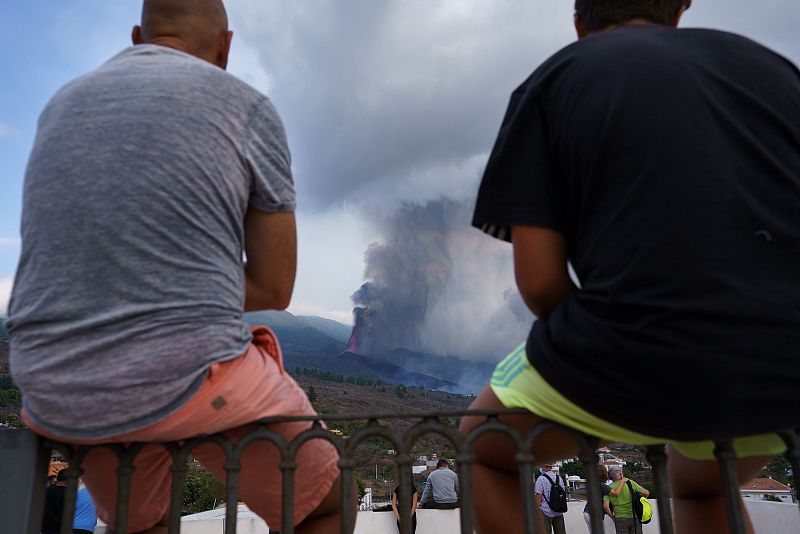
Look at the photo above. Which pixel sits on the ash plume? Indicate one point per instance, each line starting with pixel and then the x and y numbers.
pixel 436 285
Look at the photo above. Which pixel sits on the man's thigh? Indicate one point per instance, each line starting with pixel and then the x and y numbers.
pixel 554 524
pixel 260 477
pixel 149 491
pixel 624 525
pixel 499 451
pixel 558 525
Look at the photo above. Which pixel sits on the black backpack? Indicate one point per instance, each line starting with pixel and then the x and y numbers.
pixel 637 505
pixel 558 496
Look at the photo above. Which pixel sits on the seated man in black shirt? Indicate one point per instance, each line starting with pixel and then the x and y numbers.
pixel 664 166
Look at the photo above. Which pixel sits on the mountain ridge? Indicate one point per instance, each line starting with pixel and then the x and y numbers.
pixel 318 343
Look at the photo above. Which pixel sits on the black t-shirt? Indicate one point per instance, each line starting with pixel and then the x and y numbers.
pixel 670 161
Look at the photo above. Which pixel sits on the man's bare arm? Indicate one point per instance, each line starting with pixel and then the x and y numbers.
pixel 270 241
pixel 607 508
pixel 540 265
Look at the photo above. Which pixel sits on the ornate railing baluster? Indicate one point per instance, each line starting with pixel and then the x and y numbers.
pixel 375 427
pixel 658 460
pixel 726 457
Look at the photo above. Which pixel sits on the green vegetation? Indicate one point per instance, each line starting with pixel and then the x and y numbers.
pixel 778 469
pixel 202 491
pixel 572 468
pixel 328 376
pixel 10 398
pixel 311 393
pixel 771 498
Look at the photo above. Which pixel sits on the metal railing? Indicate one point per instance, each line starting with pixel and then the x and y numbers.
pixel 383 426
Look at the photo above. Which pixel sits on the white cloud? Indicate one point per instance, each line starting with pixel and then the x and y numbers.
pixel 5 130
pixel 6 282
pixel 12 242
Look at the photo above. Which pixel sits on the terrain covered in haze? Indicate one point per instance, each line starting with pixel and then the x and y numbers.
pixel 314 342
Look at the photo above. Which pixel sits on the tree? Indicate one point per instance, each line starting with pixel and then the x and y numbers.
pixel 362 487
pixel 573 467
pixel 312 394
pixel 10 398
pixel 771 498
pixel 202 491
pixel 778 469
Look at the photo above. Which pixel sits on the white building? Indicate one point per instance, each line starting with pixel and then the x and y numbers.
pixel 759 488
pixel 366 500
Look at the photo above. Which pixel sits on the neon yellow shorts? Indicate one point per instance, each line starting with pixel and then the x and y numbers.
pixel 518 385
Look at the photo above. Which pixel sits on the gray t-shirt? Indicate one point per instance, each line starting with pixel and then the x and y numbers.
pixel 441 486
pixel 131 283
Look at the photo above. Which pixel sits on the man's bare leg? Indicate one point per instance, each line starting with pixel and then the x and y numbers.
pixel 495 473
pixel 327 517
pixel 697 495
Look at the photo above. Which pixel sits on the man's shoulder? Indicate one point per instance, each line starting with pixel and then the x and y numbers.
pixel 178 68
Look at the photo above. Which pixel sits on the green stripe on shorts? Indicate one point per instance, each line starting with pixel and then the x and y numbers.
pixel 518 385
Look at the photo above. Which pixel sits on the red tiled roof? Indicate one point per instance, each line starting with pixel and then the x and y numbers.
pixel 765 484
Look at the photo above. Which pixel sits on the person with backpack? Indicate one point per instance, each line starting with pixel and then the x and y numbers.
pixel 551 497
pixel 622 496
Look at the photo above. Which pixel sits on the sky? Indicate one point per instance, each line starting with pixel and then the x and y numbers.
pixel 385 103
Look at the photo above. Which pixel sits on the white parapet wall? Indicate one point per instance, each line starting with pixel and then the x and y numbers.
pixel 768 518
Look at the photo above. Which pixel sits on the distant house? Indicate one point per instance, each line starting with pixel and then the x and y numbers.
pixel 759 488
pixel 366 500
pixel 613 463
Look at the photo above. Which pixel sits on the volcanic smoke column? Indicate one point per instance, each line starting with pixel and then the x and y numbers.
pixel 407 274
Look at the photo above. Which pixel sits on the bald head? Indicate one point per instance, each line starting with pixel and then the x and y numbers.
pixel 198 27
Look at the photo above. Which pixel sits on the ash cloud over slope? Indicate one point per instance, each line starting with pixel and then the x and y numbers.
pixel 435 284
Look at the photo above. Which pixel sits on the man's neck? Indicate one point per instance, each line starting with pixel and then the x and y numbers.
pixel 175 43
pixel 632 22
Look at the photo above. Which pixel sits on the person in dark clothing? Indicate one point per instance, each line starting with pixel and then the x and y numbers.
pixel 663 166
pixel 54 504
pixel 396 503
pixel 605 489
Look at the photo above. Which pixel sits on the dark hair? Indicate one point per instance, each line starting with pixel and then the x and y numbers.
pixel 62 475
pixel 442 463
pixel 598 14
pixel 602 472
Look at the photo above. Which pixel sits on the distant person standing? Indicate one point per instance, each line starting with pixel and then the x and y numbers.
pixel 625 521
pixel 85 519
pixel 150 180
pixel 441 489
pixel 54 504
pixel 543 490
pixel 414 495
pixel 605 489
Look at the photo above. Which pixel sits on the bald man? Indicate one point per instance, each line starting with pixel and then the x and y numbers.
pixel 149 179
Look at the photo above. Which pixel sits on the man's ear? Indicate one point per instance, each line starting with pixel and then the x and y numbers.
pixel 580 27
pixel 223 49
pixel 136 35
pixel 677 20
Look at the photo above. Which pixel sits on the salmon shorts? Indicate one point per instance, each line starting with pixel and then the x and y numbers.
pixel 235 393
